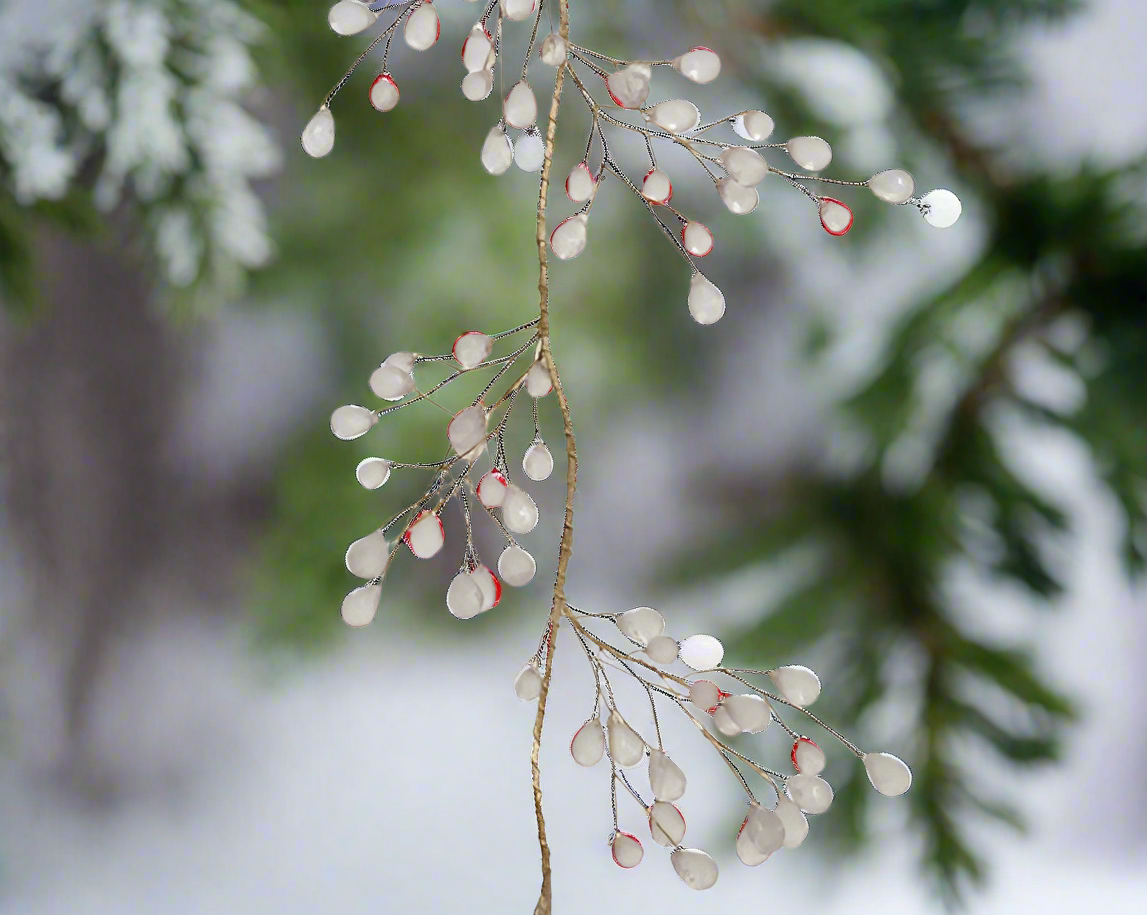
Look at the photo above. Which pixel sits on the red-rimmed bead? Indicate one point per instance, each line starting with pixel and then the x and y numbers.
pixel 835 216
pixel 426 535
pixel 384 92
pixel 627 850
pixel 808 758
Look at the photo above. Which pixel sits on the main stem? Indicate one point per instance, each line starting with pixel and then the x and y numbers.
pixel 565 547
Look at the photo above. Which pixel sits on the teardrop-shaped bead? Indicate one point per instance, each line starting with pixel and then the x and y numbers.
pixel 662 649
pixel 738 199
pixel 810 153
pixel 360 606
pixel 538 463
pixel 517 10
pixel 797 684
pixel 701 65
pixel 588 744
pixel 367 557
pixel 765 829
pixel 520 107
pixel 349 17
pixel 497 151
pixel 471 348
pixel 538 381
pixel 666 824
pixel 725 723
pixel 627 850
pixel 794 820
pixel 676 115
pixel 696 868
pixel 425 536
pixel 352 421
pixel 629 86
pixel 892 186
pixel 706 302
pixel 835 217
pixel 657 188
pixel 319 135
pixel 467 431
pixel 754 125
pixel 746 850
pixel 941 208
pixel 665 776
pixel 528 683
pixel 751 712
pixel 464 597
pixel 393 380
pixel 744 165
pixel 529 152
pixel 702 652
pixel 516 566
pixel 491 588
pixel 384 92
pixel 625 745
pixel 580 184
pixel 697 239
pixel 422 27
pixel 478 86
pixel 553 50
pixel 519 511
pixel 809 792
pixel 641 624
pixel 492 488
pixel 569 237
pixel 889 774
pixel 705 695
pixel 807 757
pixel 478 50
pixel 372 472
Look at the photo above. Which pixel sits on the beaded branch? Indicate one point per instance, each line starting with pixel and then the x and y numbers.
pixel 686 675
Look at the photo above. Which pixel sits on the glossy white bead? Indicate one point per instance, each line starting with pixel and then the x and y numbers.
pixel 754 125
pixel 835 217
pixel 724 722
pixel 519 511
pixel 696 868
pixel 360 606
pixel 516 566
pixel 517 10
pixel 641 624
pixel 744 165
pixel 751 712
pixel 697 239
pixel 569 237
pixel 467 431
pixel 941 208
pixel 665 776
pixel 701 65
pixel 892 186
pixel 372 472
pixel 625 745
pixel 528 683
pixel 478 51
pixel 662 649
pixel 889 774
pixel 807 757
pixel 490 586
pixel 425 536
pixel 588 744
pixel 349 17
pixel 401 360
pixel 391 382
pixel 810 153
pixel 737 198
pixel 497 151
pixel 492 488
pixel 538 382
pixel 746 850
pixel 629 86
pixel 471 348
pixel 384 92
pixel 809 792
pixel 765 829
pixel 422 27
pixel 676 115
pixel 520 106
pixel 706 302
pixel 657 188
pixel 529 152
pixel 797 684
pixel 319 134
pixel 580 183
pixel 666 824
pixel 352 421
pixel 794 820
pixel 553 50
pixel 702 652
pixel 704 694
pixel 538 462
pixel 627 850
pixel 367 557
pixel 464 597
pixel 478 86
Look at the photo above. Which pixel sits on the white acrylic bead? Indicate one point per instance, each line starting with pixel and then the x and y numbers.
pixel 492 489
pixel 702 652
pixel 749 711
pixel 892 186
pixel 657 188
pixel 360 606
pixel 696 868
pixel 754 125
pixel 497 151
pixel 629 86
pixel 746 851
pixel 835 217
pixel 538 462
pixel 352 421
pixel 349 17
pixel 464 597
pixel 520 106
pixel 517 10
pixel 809 792
pixel 538 381
pixel 519 511
pixel 797 684
pixel 478 86
pixel 744 165
pixel 810 153
pixel 737 198
pixel 807 757
pixel 666 824
pixel 665 776
pixel 425 536
pixel 889 774
pixel 467 431
pixel 478 50
pixel 372 472
pixel 516 566
pixel 384 92
pixel 422 27
pixel 701 65
pixel 471 348
pixel 391 382
pixel 704 694
pixel 569 237
pixel 528 683
pixel 625 745
pixel 553 50
pixel 662 649
pixel 319 134
pixel 697 239
pixel 641 624
pixel 529 152
pixel 588 744
pixel 725 723
pixel 367 557
pixel 401 360
pixel 490 586
pixel 706 302
pixel 765 830
pixel 794 820
pixel 627 850
pixel 677 115
pixel 941 208
pixel 580 183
